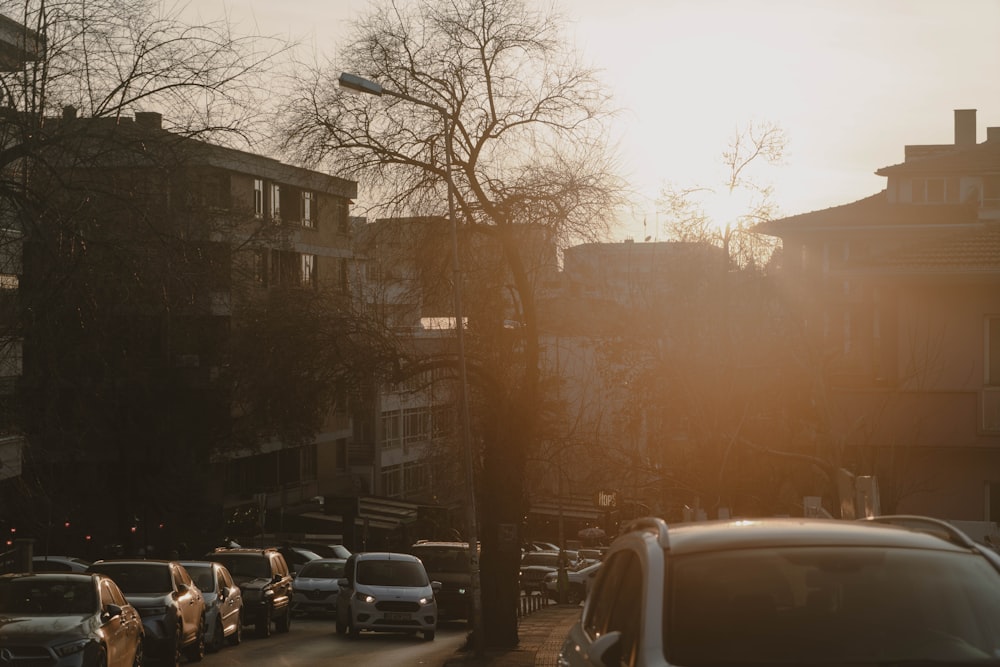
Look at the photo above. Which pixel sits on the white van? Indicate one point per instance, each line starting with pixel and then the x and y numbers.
pixel 386 592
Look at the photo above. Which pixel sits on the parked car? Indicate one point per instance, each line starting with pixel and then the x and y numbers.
pixel 50 564
pixel 315 588
pixel 223 603
pixel 448 562
pixel 535 565
pixel 296 557
pixel 171 605
pixel 386 592
pixel 579 580
pixel 266 584
pixel 67 619
pixel 790 591
pixel 327 550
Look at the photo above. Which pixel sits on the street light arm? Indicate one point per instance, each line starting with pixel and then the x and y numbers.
pixel 363 85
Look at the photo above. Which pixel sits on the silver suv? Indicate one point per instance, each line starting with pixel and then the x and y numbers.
pixel 894 590
pixel 265 583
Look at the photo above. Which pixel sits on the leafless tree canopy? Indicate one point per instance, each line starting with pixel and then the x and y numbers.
pixel 528 120
pixel 106 58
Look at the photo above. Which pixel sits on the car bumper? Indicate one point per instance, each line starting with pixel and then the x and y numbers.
pixel 369 617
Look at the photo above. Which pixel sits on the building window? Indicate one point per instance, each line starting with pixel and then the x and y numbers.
pixel 310 465
pixel 343 218
pixel 391 482
pixel 993 351
pixel 416 425
pixel 934 191
pixel 414 478
pixel 308 270
pixel 258 197
pixel 260 267
pixel 275 202
pixel 307 209
pixel 392 431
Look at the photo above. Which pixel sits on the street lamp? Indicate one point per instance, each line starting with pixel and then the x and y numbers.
pixel 354 82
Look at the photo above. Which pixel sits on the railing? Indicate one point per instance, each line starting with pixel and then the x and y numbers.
pixel 531 602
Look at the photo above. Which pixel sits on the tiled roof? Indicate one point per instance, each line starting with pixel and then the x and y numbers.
pixel 984 157
pixel 873 211
pixel 968 250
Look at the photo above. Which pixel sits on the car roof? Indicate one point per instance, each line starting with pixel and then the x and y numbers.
pixel 54 576
pixel 775 532
pixel 440 545
pixel 133 561
pixel 385 555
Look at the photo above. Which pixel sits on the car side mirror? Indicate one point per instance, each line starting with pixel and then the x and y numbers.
pixel 182 589
pixel 436 586
pixel 111 611
pixel 343 582
pixel 223 593
pixel 606 649
pixel 276 578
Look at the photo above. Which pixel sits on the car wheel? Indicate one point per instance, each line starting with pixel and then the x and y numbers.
pixel 352 630
pixel 195 651
pixel 263 627
pixel 428 635
pixel 218 636
pixel 237 636
pixel 284 622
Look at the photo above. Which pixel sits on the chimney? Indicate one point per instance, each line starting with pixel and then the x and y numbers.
pixel 69 112
pixel 154 121
pixel 965 127
pixel 993 134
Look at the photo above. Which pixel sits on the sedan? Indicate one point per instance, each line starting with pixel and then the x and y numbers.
pixel 172 607
pixel 315 589
pixel 223 603
pixel 67 620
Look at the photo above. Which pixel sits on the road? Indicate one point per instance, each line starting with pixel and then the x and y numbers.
pixel 314 642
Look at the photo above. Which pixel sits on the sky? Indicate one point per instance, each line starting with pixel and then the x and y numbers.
pixel 850 82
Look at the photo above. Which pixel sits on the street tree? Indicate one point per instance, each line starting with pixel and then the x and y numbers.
pixel 483 95
pixel 102 274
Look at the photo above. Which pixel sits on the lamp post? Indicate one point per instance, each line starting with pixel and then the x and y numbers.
pixel 363 85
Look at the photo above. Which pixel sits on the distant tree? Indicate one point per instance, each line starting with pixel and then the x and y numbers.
pixel 725 214
pixel 492 101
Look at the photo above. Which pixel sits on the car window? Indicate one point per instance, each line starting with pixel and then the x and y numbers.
pixel 109 588
pixel 227 579
pixel 137 578
pixel 318 569
pixel 862 604
pixel 280 565
pixel 391 573
pixel 47 596
pixel 443 560
pixel 202 577
pixel 245 566
pixel 45 565
pixel 540 558
pixel 616 603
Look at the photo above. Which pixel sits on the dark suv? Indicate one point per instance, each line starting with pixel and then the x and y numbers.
pixel 266 585
pixel 448 562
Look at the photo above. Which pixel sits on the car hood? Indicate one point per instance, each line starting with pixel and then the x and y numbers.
pixel 451 577
pixel 318 583
pixel 22 627
pixel 144 600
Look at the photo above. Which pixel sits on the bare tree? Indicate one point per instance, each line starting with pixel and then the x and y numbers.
pixel 726 214
pixel 484 94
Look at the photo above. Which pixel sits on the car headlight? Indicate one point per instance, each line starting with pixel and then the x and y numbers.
pixel 426 600
pixel 69 648
pixel 461 591
pixel 365 597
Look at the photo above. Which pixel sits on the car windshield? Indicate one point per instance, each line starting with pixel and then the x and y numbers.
pixel 443 560
pixel 138 578
pixel 245 566
pixel 391 573
pixel 830 605
pixel 202 575
pixel 42 596
pixel 322 569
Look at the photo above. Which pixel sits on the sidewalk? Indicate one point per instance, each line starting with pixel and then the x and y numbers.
pixel 540 636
